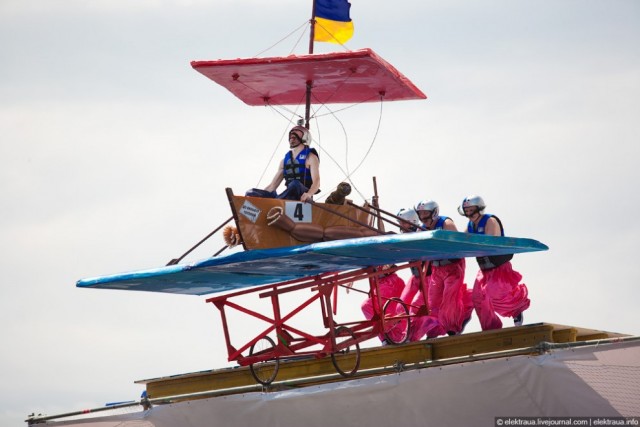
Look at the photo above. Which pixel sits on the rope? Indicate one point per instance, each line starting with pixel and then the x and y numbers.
pixel 293 113
pixel 304 25
pixel 277 146
pixel 375 136
pixel 348 174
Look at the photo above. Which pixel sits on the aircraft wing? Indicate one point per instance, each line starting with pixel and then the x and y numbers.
pixel 266 266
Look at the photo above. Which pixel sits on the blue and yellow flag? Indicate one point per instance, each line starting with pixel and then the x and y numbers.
pixel 333 24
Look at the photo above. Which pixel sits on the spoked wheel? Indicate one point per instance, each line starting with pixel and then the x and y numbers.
pixel 264 372
pixel 396 330
pixel 346 360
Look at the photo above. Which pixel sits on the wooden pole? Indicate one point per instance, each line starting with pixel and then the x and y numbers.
pixel 376 205
pixel 309 83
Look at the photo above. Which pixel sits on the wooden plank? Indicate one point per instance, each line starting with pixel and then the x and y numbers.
pixel 490 341
pixel 470 344
pixel 370 358
pixel 199 382
pixel 564 334
pixel 593 336
pixel 388 356
pixel 583 334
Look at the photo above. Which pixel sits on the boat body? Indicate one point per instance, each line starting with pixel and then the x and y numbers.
pixel 273 223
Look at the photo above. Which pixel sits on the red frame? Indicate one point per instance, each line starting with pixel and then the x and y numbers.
pixel 298 341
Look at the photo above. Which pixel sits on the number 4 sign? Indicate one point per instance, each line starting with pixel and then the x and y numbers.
pixel 298 211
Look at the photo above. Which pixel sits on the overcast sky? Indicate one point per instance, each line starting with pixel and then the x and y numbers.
pixel 114 156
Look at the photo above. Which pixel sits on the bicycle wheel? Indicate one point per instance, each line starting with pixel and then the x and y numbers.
pixel 346 360
pixel 396 329
pixel 264 372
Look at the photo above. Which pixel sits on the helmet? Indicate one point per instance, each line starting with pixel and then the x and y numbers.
pixel 306 136
pixel 410 216
pixel 429 205
pixel 472 201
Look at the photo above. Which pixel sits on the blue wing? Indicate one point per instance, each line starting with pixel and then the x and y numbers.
pixel 265 266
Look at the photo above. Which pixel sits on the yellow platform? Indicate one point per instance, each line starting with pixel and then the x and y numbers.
pixel 378 359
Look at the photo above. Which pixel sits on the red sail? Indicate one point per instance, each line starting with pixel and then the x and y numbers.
pixel 342 77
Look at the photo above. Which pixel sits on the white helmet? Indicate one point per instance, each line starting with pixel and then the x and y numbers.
pixel 306 136
pixel 472 201
pixel 429 205
pixel 410 216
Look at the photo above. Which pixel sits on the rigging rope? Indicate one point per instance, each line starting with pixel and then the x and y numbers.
pixel 348 174
pixel 273 153
pixel 293 114
pixel 286 37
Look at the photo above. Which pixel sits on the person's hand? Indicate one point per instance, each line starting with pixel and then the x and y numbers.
pixel 305 197
pixel 349 286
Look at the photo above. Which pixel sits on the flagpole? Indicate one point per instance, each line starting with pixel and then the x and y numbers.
pixel 312 32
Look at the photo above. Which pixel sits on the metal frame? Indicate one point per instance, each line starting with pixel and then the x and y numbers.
pixel 291 342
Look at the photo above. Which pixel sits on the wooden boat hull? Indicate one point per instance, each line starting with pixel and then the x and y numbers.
pixel 272 223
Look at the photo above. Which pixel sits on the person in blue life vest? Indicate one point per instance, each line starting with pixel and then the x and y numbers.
pixel 497 288
pixel 449 299
pixel 300 170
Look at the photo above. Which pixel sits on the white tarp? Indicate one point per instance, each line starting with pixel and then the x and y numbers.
pixel 595 381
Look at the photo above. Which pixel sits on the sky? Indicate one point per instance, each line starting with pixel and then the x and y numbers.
pixel 115 153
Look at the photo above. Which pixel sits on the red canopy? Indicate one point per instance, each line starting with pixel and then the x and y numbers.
pixel 342 77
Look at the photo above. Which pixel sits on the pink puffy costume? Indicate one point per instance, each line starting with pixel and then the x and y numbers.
pixel 424 324
pixel 390 286
pixel 499 290
pixel 449 299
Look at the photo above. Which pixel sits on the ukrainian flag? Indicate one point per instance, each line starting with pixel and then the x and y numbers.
pixel 333 24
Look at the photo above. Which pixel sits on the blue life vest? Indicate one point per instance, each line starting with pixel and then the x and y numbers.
pixel 440 223
pixel 488 262
pixel 441 262
pixel 295 168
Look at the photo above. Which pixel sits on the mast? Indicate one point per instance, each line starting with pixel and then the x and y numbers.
pixel 312 32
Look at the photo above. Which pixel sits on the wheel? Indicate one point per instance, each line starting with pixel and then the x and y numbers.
pixel 346 360
pixel 264 372
pixel 396 330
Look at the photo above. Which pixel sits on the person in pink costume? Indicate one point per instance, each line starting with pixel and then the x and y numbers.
pixel 449 299
pixel 390 286
pixel 421 322
pixel 410 222
pixel 497 289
